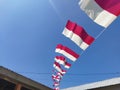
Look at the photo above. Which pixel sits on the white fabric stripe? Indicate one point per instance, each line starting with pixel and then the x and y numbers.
pixel 67 67
pixel 65 54
pixel 57 50
pixel 76 39
pixel 96 13
pixel 84 46
pixel 105 18
pixel 67 32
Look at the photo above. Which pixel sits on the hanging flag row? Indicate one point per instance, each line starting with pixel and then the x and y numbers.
pixel 56 79
pixel 81 38
pixel 61 64
pixel 102 12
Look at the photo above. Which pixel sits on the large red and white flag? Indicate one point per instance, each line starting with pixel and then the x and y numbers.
pixel 78 35
pixel 103 12
pixel 58 68
pixel 61 60
pixel 66 52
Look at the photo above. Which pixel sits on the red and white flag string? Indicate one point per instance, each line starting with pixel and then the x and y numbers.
pixel 81 38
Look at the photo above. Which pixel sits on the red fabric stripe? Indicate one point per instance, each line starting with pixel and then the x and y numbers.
pixel 71 52
pixel 80 32
pixel 112 6
pixel 89 39
pixel 70 25
pixel 60 58
pixel 59 46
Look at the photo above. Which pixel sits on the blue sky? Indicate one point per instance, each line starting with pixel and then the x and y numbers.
pixel 31 29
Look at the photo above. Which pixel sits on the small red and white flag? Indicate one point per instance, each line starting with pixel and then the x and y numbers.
pixel 60 74
pixel 66 52
pixel 58 68
pixel 102 12
pixel 56 88
pixel 56 84
pixel 67 65
pixel 63 71
pixel 78 35
pixel 56 77
pixel 61 60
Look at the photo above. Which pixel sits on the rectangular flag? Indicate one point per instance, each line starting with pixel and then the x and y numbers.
pixel 56 84
pixel 102 12
pixel 60 74
pixel 78 35
pixel 66 52
pixel 56 88
pixel 67 65
pixel 56 77
pixel 58 68
pixel 61 60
